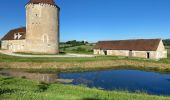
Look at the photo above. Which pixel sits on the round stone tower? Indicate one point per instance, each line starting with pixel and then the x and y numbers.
pixel 42 27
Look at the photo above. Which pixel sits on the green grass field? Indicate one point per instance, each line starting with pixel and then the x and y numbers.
pixel 6 58
pixel 84 64
pixel 168 53
pixel 85 49
pixel 82 49
pixel 22 89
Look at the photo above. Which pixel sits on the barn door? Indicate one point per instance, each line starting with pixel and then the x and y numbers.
pixel 105 52
pixel 130 53
pixel 148 55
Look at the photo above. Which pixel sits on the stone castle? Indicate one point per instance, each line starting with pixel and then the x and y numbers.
pixel 41 34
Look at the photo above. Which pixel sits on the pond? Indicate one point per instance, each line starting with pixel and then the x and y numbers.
pixel 130 80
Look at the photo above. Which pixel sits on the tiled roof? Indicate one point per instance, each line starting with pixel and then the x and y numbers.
pixel 51 2
pixel 138 45
pixel 12 34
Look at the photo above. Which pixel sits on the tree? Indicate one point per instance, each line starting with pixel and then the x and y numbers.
pixel 166 42
pixel 76 43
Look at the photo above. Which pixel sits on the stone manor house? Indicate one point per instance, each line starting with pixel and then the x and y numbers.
pixel 41 34
pixel 142 48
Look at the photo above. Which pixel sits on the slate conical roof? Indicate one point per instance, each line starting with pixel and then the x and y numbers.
pixel 51 2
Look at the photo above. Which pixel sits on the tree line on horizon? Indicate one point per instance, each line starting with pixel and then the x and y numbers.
pixel 77 43
pixel 166 42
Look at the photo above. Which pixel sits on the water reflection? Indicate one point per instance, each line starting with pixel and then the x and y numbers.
pixel 167 79
pixel 45 77
pixel 50 78
pixel 131 80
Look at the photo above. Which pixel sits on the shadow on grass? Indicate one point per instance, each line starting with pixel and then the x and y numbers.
pixel 5 91
pixel 42 87
pixel 8 78
pixel 91 99
pixel 7 81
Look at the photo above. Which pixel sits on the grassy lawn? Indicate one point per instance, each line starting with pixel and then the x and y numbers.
pixel 168 52
pixel 85 49
pixel 84 64
pixel 82 49
pixel 22 89
pixel 6 58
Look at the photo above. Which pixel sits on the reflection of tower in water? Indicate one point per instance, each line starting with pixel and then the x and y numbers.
pixel 49 78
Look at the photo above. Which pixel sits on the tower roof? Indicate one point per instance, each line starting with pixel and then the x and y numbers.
pixel 51 2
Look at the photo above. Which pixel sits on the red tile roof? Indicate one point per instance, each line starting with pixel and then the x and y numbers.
pixel 11 33
pixel 138 45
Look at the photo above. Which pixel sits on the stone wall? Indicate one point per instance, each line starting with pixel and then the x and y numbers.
pixel 13 45
pixel 128 53
pixel 161 46
pixel 42 28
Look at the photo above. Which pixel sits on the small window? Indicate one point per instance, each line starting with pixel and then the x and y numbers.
pixel 49 45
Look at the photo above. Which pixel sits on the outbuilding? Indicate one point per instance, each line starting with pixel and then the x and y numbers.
pixel 142 48
pixel 14 40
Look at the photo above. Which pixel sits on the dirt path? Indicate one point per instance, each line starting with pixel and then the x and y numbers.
pixel 26 55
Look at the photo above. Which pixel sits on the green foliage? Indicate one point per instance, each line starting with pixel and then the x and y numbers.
pixel 84 49
pixel 76 43
pixel 22 89
pixel 69 44
pixel 166 42
pixel 79 49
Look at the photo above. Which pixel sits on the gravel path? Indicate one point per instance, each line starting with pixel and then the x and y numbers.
pixel 68 55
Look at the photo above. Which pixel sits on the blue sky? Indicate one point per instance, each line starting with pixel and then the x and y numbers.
pixel 95 20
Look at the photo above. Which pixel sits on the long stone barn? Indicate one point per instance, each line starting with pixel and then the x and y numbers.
pixel 142 48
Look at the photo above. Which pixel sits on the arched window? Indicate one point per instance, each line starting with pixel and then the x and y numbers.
pixel 45 38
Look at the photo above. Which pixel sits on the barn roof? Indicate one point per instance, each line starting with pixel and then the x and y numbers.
pixel 11 34
pixel 138 45
pixel 51 2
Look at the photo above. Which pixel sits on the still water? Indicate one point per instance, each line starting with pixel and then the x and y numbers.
pixel 131 80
